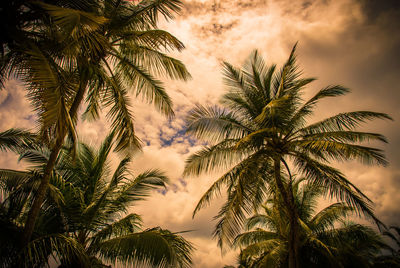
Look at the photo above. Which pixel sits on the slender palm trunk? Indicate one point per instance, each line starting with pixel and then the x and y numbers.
pixel 287 196
pixel 44 183
pixel 294 226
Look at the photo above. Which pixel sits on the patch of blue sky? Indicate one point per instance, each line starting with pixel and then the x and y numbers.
pixel 179 136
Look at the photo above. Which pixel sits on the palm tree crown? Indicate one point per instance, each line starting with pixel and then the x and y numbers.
pixel 326 240
pixel 94 52
pixel 89 207
pixel 261 129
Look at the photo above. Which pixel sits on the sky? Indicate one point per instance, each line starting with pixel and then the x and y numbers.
pixel 354 43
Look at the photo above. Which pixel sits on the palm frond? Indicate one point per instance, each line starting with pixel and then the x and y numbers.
pixel 64 248
pixel 15 139
pixel 213 124
pixel 307 108
pixel 217 157
pixel 127 225
pixel 144 84
pixel 343 121
pixel 158 247
pixel 253 237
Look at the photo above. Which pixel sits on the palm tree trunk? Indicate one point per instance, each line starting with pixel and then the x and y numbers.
pixel 44 183
pixel 294 225
pixel 287 197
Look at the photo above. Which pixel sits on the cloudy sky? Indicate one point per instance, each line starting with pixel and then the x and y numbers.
pixel 348 42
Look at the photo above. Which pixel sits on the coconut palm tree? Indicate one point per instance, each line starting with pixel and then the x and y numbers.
pixel 95 54
pixel 17 189
pixel 393 258
pixel 88 206
pixel 261 130
pixel 326 239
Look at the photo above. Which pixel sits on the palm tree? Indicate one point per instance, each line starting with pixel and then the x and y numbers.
pixel 93 213
pixel 392 259
pixel 17 189
pixel 94 53
pixel 261 129
pixel 88 206
pixel 326 240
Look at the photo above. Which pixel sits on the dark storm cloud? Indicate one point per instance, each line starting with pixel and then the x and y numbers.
pixel 375 9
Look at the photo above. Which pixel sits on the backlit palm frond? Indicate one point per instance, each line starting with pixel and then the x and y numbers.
pixel 341 151
pixel 248 166
pixel 36 157
pixel 144 84
pixel 151 40
pixel 261 221
pixel 214 124
pixel 343 121
pixel 135 190
pixel 363 236
pixel 258 138
pixel 51 89
pixel 15 139
pixel 64 248
pixel 259 254
pixel 122 123
pixel 246 193
pixel 151 9
pixel 253 237
pixel 158 247
pixel 307 108
pixel 158 63
pixel 101 199
pixel 217 157
pixel 336 185
pixel 328 216
pixel 346 136
pixel 127 225
pixel 235 78
pixel 68 18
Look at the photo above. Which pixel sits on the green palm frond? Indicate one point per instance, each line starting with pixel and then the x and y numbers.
pixel 247 167
pixel 69 19
pixel 214 124
pixel 15 139
pixel 155 246
pixel 149 41
pixel 328 216
pixel 159 63
pixel 128 224
pixel 144 84
pixel 253 237
pixel 217 157
pixel 343 121
pixel 245 194
pixel 307 108
pixel 151 9
pixel 336 185
pixel 264 254
pixel 343 151
pixel 122 123
pixel 67 249
pixel 140 187
pixel 260 220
